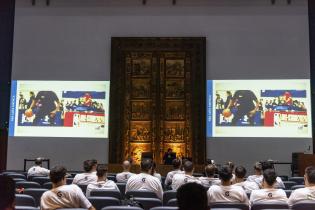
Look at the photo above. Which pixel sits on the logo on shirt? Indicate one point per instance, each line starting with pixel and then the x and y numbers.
pixel 143 180
pixel 185 180
pixel 86 178
pixel 99 186
pixel 269 195
pixel 227 193
pixel 59 194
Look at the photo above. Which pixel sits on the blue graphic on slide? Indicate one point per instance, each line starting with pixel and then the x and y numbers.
pixel 12 108
pixel 209 107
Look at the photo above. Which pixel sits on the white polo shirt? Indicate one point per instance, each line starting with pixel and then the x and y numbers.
pixel 170 175
pixel 219 193
pixel 268 196
pixel 252 178
pixel 180 179
pixel 302 194
pixel 102 185
pixel 65 196
pixel 144 181
pixel 123 176
pixel 209 181
pixel 85 178
pixel 37 171
pixel 248 186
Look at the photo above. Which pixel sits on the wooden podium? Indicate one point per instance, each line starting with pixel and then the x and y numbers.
pixel 305 160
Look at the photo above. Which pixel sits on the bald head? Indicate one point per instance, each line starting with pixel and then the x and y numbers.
pixel 126 165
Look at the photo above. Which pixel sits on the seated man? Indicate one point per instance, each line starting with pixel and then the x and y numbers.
pixel 182 178
pixel 240 173
pixel 62 195
pixel 268 165
pixel 269 193
pixel 258 172
pixel 209 179
pixel 307 193
pixel 192 196
pixel 126 174
pixel 144 180
pixel 102 182
pixel 7 193
pixel 38 170
pixel 226 192
pixel 89 176
pixel 176 169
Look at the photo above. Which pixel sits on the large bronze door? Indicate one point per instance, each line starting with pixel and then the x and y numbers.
pixel 157 98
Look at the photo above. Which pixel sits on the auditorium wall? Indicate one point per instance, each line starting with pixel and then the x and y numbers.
pixel 246 39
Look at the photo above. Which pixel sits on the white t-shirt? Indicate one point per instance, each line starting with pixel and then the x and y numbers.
pixel 145 181
pixel 209 181
pixel 219 193
pixel 37 171
pixel 123 176
pixel 268 196
pixel 102 185
pixel 170 175
pixel 85 178
pixel 180 179
pixel 252 178
pixel 248 186
pixel 65 196
pixel 302 194
pixel 157 175
pixel 278 184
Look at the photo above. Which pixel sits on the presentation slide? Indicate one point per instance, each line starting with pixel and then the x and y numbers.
pixel 259 108
pixel 59 108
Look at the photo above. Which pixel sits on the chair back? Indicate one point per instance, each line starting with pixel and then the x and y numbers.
pixel 122 187
pixel 24 200
pixel 304 205
pixel 289 184
pixel 140 194
pixel 101 202
pixel 106 193
pixel 47 185
pixel 168 195
pixel 149 203
pixel 41 179
pixel 261 206
pixel 172 202
pixel 226 205
pixel 16 175
pixel 297 187
pixel 83 187
pixel 299 180
pixel 27 184
pixel 122 208
pixel 165 208
pixel 36 193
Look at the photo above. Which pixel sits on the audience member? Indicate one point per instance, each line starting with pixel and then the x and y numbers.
pixel 269 193
pixel 62 195
pixel 308 192
pixel 192 196
pixel 231 165
pixel 7 193
pixel 102 182
pixel 226 192
pixel 258 172
pixel 38 170
pixel 89 176
pixel 268 165
pixel 209 179
pixel 144 180
pixel 179 179
pixel 240 173
pixel 176 169
pixel 126 174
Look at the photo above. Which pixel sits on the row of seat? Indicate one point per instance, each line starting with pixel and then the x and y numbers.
pixel 114 208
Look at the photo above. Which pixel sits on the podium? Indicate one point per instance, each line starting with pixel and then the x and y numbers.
pixel 305 160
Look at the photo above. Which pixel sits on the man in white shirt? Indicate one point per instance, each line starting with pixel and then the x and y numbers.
pixel 209 179
pixel 307 193
pixel 226 192
pixel 145 181
pixel 269 194
pixel 258 172
pixel 240 173
pixel 126 174
pixel 89 176
pixel 268 165
pixel 62 195
pixel 179 179
pixel 176 169
pixel 102 182
pixel 38 170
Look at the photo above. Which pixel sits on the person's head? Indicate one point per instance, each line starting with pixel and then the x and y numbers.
pixel 32 93
pixel 225 174
pixel 240 172
pixel 309 177
pixel 228 93
pixel 58 175
pixel 126 165
pixel 258 168
pixel 188 167
pixel 176 163
pixel 210 170
pixel 88 165
pixel 192 196
pixel 146 165
pixel 270 177
pixel 169 150
pixel 267 165
pixel 7 193
pixel 101 171
pixel 231 165
pixel 38 161
pixel 94 164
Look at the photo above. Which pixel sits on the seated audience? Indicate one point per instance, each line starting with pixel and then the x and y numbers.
pixel 154 173
pixel 226 192
pixel 231 164
pixel 7 193
pixel 102 182
pixel 240 173
pixel 38 170
pixel 258 172
pixel 182 178
pixel 192 196
pixel 144 180
pixel 209 179
pixel 126 174
pixel 62 195
pixel 268 165
pixel 269 193
pixel 176 169
pixel 308 192
pixel 89 176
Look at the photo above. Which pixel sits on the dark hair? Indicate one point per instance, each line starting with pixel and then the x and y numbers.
pixel 146 164
pixel 267 165
pixel 188 166
pixel 57 174
pixel 7 191
pixel 94 162
pixel 240 172
pixel 101 170
pixel 231 165
pixel 153 168
pixel 225 173
pixel 258 166
pixel 38 161
pixel 310 174
pixel 192 196
pixel 270 176
pixel 87 165
pixel 176 163
pixel 210 170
